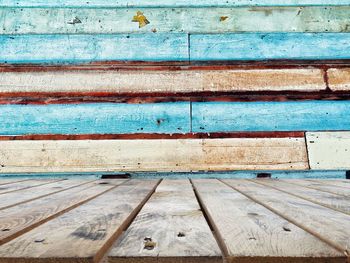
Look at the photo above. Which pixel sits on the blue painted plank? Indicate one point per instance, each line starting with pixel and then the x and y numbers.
pixel 95 118
pixel 258 46
pixel 86 48
pixel 271 116
pixel 167 3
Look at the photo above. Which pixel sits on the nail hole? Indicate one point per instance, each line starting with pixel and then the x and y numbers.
pixel 5 230
pixel 39 240
pixel 149 244
pixel 286 229
pixel 181 234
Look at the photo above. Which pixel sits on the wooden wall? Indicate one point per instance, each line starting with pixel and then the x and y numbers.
pixel 89 86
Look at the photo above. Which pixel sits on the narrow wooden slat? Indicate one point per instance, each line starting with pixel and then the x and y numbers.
pixel 329 150
pixel 271 116
pixel 269 46
pixel 95 118
pixel 24 196
pixel 163 81
pixel 336 182
pixel 339 79
pixel 333 201
pixel 4 181
pixel 169 228
pixel 319 186
pixel 192 20
pixel 329 225
pixel 17 220
pixel 252 233
pixel 85 48
pixel 154 155
pixel 82 234
pixel 20 186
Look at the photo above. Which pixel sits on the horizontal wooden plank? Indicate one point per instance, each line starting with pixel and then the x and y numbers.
pixel 329 150
pixel 23 185
pixel 154 155
pixel 95 118
pixel 339 79
pixel 164 81
pixel 271 116
pixel 167 3
pixel 319 186
pixel 60 48
pixel 175 227
pixel 192 20
pixel 269 46
pixel 7 181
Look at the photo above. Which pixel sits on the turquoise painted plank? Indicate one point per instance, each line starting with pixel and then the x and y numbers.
pixel 270 46
pixel 86 48
pixel 168 3
pixel 192 20
pixel 271 116
pixel 95 118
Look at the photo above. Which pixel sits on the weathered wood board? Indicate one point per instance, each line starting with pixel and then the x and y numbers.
pixel 4 189
pixel 270 116
pixel 95 118
pixel 83 234
pixel 172 81
pixel 269 46
pixel 170 227
pixel 339 79
pixel 58 48
pixel 191 20
pixel 154 155
pixel 329 150
pixel 252 233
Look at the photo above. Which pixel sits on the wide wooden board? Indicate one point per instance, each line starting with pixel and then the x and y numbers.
pixel 9 188
pixel 339 79
pixel 251 233
pixel 170 227
pixel 154 155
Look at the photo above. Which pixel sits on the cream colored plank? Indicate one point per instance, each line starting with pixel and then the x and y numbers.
pixel 11 181
pixel 23 196
pixel 82 234
pixel 19 219
pixel 19 186
pixel 169 228
pixel 333 201
pixel 154 155
pixel 339 79
pixel 252 233
pixel 329 150
pixel 163 81
pixel 329 225
pixel 336 182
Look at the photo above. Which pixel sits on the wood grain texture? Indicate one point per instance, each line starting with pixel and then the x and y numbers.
pixel 170 227
pixel 20 219
pixel 330 226
pixel 85 233
pixel 154 155
pixel 6 181
pixel 191 20
pixel 339 79
pixel 252 233
pixel 164 81
pixel 60 48
pixel 270 116
pixel 271 46
pixel 95 118
pixel 319 186
pixel 336 182
pixel 329 150
pixel 19 186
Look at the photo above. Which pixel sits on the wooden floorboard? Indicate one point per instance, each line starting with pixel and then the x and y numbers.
pixel 4 189
pixel 317 185
pixel 11 181
pixel 336 182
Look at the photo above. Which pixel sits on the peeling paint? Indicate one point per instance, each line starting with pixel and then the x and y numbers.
pixel 141 19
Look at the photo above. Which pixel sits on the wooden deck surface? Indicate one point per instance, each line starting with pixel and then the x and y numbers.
pixel 188 220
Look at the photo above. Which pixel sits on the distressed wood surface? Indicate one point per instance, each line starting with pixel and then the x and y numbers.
pixel 252 233
pixel 60 48
pixel 6 181
pixel 95 118
pixel 22 218
pixel 191 20
pixel 164 81
pixel 271 46
pixel 331 226
pixel 319 186
pixel 4 189
pixel 85 233
pixel 339 79
pixel 336 182
pixel 170 227
pixel 154 155
pixel 270 116
pixel 329 150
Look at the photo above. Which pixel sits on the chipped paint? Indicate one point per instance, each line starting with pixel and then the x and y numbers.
pixel 141 19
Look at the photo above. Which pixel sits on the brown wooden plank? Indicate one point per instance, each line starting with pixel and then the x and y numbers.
pixel 251 233
pixel 4 189
pixel 169 228
pixel 27 195
pixel 319 186
pixel 339 79
pixel 19 219
pixel 82 234
pixel 333 201
pixel 329 225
